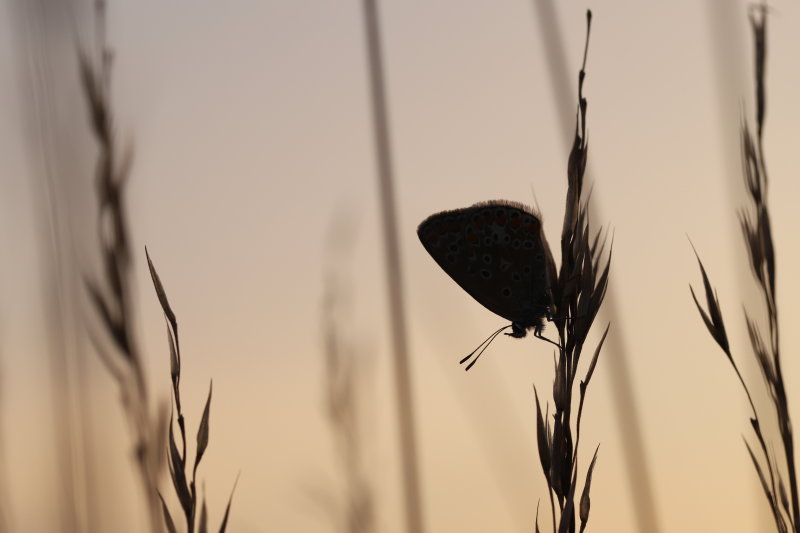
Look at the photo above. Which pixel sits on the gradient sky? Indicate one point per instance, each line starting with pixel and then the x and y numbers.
pixel 252 135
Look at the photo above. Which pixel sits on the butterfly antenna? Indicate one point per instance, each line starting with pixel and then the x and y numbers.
pixel 482 347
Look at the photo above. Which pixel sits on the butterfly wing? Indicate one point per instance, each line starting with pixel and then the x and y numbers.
pixel 496 252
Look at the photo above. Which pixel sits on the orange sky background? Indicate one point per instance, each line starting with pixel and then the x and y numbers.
pixel 252 135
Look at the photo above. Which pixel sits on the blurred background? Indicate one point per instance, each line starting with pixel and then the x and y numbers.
pixel 254 187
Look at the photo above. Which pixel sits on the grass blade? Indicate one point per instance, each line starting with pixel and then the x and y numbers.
pixel 202 431
pixel 224 524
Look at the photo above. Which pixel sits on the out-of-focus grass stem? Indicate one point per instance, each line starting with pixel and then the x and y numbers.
pixel 402 370
pixel 111 295
pixel 756 227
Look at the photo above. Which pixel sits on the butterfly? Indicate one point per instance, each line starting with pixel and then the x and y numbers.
pixel 496 251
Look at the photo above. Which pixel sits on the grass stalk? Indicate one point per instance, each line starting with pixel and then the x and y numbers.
pixel 111 296
pixel 184 482
pixel 622 390
pixel 344 393
pixel 578 289
pixel 765 344
pixel 40 35
pixel 402 370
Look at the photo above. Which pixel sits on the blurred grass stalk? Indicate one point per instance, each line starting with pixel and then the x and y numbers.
pixel 43 28
pixel 728 47
pixel 112 296
pixel 402 371
pixel 344 383
pixel 757 233
pixel 622 390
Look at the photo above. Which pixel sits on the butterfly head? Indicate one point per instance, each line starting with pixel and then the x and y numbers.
pixel 520 328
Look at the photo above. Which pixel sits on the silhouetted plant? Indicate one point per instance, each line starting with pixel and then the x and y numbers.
pixel 184 483
pixel 111 296
pixel 578 290
pixel 756 229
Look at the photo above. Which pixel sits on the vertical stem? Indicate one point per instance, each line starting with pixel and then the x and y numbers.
pixel 41 29
pixel 728 46
pixel 624 397
pixel 414 520
pixel 767 282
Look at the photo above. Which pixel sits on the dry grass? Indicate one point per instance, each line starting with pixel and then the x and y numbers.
pixel 111 296
pixel 184 483
pixel 765 343
pixel 412 488
pixel 345 378
pixel 578 290
pixel 112 301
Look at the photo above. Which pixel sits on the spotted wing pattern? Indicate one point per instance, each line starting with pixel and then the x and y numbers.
pixel 496 252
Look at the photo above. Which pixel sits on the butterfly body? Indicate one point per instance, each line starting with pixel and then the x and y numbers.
pixel 497 253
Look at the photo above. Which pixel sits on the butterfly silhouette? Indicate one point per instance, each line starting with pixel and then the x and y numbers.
pixel 496 251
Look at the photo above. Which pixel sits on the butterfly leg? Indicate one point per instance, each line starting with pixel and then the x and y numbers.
pixel 537 332
pixel 540 336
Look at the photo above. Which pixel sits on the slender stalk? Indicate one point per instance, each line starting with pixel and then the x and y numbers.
pixel 402 371
pixel 757 232
pixel 185 486
pixel 41 31
pixel 344 384
pixel 111 296
pixel 622 391
pixel 578 288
